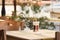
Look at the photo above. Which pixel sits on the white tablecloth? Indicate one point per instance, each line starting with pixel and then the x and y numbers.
pixel 41 34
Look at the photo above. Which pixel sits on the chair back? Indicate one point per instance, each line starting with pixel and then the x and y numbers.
pixel 2 35
pixel 57 36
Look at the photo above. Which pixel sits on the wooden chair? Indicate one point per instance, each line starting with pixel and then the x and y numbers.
pixel 57 36
pixel 2 35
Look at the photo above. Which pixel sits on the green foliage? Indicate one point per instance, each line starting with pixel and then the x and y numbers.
pixel 27 11
pixel 23 5
pixel 21 18
pixel 36 8
pixel 13 15
pixel 43 19
pixel 45 24
pixel 52 24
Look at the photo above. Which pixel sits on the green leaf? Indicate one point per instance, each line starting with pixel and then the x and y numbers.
pixel 36 8
pixel 27 11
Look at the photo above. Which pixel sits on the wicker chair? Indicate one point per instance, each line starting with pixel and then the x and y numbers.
pixel 57 36
pixel 12 25
pixel 2 35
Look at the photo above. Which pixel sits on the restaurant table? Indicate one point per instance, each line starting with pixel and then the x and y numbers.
pixel 42 34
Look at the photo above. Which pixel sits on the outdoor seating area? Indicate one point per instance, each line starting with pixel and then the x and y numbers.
pixel 29 20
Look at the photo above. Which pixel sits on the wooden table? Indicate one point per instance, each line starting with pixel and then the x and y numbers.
pixel 30 35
